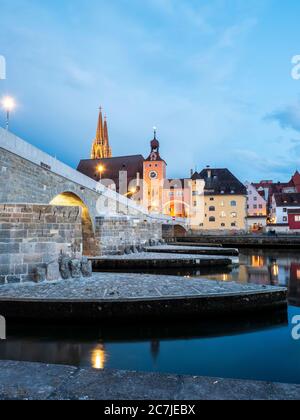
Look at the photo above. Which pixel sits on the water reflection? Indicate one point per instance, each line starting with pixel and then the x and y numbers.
pixel 268 267
pixel 99 357
pixel 89 345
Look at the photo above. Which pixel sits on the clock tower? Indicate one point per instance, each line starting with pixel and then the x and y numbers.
pixel 155 173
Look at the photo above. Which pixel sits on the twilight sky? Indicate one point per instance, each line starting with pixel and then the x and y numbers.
pixel 213 75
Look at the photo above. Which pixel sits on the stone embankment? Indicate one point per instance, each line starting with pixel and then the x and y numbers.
pixel 36 381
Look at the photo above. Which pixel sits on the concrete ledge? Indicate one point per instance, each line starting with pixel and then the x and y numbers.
pixel 154 260
pixel 177 249
pixel 34 381
pixel 244 241
pixel 118 296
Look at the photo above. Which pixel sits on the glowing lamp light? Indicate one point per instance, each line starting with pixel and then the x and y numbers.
pixel 8 104
pixel 100 169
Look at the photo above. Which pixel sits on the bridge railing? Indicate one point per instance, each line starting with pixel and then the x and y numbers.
pixel 17 146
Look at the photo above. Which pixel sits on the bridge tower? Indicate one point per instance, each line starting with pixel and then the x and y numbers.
pixel 155 173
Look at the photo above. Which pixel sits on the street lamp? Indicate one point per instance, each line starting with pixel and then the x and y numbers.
pixel 8 104
pixel 100 169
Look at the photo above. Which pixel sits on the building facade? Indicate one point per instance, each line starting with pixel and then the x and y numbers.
pixel 285 210
pixel 257 209
pixel 225 201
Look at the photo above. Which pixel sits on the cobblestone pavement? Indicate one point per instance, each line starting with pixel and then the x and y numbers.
pixel 114 286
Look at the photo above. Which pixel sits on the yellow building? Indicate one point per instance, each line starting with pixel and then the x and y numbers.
pixel 224 204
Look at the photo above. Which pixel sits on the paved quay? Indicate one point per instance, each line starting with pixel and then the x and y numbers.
pixel 196 250
pixel 279 241
pixel 154 260
pixel 35 381
pixel 116 295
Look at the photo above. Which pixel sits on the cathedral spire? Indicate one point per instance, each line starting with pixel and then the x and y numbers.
pixel 106 139
pixel 99 134
pixel 101 148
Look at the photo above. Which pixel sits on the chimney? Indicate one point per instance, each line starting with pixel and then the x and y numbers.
pixel 192 172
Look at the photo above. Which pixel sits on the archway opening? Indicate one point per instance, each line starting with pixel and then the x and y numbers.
pixel 88 236
pixel 179 231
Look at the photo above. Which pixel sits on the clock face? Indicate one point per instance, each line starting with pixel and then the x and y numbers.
pixel 153 175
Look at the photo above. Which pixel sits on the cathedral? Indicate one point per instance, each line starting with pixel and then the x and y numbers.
pixel 101 148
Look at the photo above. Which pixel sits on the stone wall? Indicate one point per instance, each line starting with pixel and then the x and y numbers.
pixel 32 238
pixel 114 235
pixel 22 181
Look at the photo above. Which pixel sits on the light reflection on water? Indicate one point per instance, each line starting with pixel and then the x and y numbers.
pixel 276 268
pixel 252 348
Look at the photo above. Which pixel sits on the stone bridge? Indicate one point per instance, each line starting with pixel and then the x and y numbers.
pixel 110 222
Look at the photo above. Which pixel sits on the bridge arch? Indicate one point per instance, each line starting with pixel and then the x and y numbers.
pixel 179 231
pixel 71 199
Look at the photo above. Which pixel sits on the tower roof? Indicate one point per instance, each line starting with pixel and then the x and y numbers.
pixel 100 134
pixel 101 148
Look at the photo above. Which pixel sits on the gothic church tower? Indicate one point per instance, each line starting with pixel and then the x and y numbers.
pixel 101 148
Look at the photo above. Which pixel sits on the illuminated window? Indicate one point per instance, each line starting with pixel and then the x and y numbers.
pixel 223 214
pixel 234 215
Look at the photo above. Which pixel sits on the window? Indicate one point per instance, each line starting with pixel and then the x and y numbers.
pixel 233 224
pixel 212 199
pixel 194 193
pixel 284 210
pixel 195 203
pixel 212 219
pixel 260 206
pixel 255 198
pixel 297 218
pixel 234 215
pixel 285 219
pixel 223 225
pixel 223 214
pixel 233 203
pixel 255 206
pixel 222 204
pixel 212 208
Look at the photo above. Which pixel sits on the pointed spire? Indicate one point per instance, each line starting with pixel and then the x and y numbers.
pixel 155 133
pixel 101 148
pixel 99 133
pixel 107 147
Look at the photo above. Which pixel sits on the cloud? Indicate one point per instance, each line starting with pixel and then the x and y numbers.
pixel 233 34
pixel 78 77
pixel 287 117
pixel 268 166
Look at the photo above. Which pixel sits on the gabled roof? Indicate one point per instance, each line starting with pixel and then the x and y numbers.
pixel 112 166
pixel 287 200
pixel 220 182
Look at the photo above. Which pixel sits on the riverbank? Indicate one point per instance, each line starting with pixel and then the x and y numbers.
pixel 243 241
pixel 36 381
